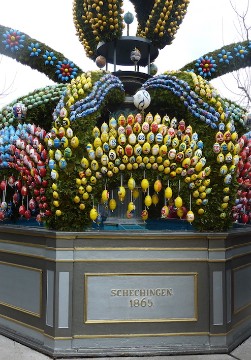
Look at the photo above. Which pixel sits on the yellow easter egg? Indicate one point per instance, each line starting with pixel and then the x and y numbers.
pixel 178 202
pixel 180 212
pixel 131 184
pixel 131 206
pixel 58 212
pixel 157 186
pixel 81 206
pixel 201 211
pixel 144 215
pixel 148 201
pixel 93 214
pixel 168 193
pixel 105 196
pixel 76 199
pixel 112 204
pixel 155 199
pixel 135 193
pixel 144 184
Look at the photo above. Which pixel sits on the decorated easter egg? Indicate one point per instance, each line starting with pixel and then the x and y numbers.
pixel 144 215
pixel 164 212
pixel 129 150
pixel 104 127
pixel 113 123
pixel 190 216
pixel 142 99
pixel 145 127
pixel 132 139
pixel 122 120
pixel 146 148
pixel 121 193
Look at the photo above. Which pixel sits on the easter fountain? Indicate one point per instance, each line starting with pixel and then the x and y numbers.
pixel 164 155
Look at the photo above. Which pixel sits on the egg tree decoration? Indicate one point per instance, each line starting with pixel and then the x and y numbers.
pixel 180 146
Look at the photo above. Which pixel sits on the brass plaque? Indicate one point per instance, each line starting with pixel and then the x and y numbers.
pixel 164 297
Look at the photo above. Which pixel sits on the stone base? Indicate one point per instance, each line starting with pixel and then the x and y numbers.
pixel 134 293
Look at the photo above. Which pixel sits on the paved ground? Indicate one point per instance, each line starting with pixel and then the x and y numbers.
pixel 11 350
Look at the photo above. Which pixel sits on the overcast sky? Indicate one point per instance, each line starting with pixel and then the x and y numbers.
pixel 208 25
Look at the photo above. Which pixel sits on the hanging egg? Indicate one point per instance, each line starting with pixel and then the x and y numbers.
pixel 155 199
pixel 131 207
pixel 121 193
pixel 144 184
pixel 105 196
pixel 164 212
pixel 131 184
pixel 148 201
pixel 112 204
pixel 190 216
pixel 168 193
pixel 135 193
pixel 157 186
pixel 144 215
pixel 178 202
pixel 180 212
pixel 93 214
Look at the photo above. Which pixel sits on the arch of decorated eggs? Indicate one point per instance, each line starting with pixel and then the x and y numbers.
pixel 188 159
